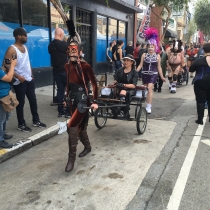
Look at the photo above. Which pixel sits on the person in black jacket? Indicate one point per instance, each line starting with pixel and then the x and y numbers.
pixel 57 49
pixel 126 79
pixel 141 52
pixel 201 82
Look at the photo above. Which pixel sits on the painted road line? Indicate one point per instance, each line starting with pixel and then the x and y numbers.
pixel 179 187
pixel 206 141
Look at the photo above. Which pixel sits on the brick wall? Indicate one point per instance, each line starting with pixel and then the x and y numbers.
pixel 156 22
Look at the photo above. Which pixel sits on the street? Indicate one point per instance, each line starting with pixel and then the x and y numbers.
pixel 167 167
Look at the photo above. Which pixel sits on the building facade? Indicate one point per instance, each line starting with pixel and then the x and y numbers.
pixel 96 22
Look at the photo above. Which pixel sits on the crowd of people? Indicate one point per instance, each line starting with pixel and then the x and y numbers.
pixel 148 62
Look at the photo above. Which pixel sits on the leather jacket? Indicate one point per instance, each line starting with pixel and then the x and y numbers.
pixel 132 77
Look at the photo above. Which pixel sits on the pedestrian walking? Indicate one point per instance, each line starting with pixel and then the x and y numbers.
pixel 109 56
pixel 57 49
pixel 79 74
pixel 24 84
pixel 201 83
pixel 129 49
pixel 136 53
pixel 5 79
pixel 141 52
pixel 151 64
pixel 114 48
pixel 158 85
pixel 118 55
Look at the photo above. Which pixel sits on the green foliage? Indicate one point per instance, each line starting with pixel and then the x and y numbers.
pixel 176 5
pixel 191 29
pixel 201 16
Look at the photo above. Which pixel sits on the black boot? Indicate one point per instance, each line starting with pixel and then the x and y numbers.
pixel 85 141
pixel 73 141
pixel 200 111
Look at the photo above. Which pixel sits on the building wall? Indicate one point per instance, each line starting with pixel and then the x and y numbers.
pixel 156 22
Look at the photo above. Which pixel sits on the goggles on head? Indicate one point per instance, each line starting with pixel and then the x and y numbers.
pixel 73 48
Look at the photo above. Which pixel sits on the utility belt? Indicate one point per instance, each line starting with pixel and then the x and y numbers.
pixel 78 97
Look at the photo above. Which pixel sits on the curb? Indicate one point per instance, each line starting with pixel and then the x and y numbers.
pixel 23 145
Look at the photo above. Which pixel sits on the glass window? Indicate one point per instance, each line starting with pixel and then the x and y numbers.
pixel 9 20
pixel 57 21
pixel 35 21
pixel 83 26
pixel 101 38
pixel 112 29
pixel 122 33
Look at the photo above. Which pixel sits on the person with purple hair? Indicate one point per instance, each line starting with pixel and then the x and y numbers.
pixel 151 65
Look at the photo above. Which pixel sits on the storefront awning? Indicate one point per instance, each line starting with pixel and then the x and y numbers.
pixel 129 6
pixel 170 33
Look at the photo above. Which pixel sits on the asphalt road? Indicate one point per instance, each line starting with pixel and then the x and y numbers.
pixel 165 168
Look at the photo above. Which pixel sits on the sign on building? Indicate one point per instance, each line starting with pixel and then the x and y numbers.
pixel 144 24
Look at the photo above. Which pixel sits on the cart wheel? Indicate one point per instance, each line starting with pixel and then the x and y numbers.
pixel 187 78
pixel 141 120
pixel 100 117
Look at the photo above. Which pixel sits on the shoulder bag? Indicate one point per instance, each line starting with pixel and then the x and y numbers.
pixel 9 102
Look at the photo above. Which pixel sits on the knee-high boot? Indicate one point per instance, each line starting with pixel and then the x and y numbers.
pixel 73 141
pixel 85 141
pixel 200 111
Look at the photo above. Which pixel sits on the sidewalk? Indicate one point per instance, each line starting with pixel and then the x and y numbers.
pixel 48 115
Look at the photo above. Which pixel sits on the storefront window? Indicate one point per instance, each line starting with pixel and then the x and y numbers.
pixel 56 20
pixel 112 29
pixel 101 38
pixel 122 33
pixel 9 20
pixel 35 22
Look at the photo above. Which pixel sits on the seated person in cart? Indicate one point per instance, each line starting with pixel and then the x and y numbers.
pixel 126 79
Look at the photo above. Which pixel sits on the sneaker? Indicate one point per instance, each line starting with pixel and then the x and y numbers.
pixel 7 136
pixel 24 128
pixel 39 124
pixel 5 145
pixel 61 115
pixel 67 116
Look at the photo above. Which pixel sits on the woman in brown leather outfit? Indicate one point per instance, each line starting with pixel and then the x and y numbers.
pixel 79 74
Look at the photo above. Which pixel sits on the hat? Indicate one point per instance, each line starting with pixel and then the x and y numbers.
pixel 130 57
pixel 19 31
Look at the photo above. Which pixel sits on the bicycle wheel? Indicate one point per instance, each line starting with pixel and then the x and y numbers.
pixel 141 120
pixel 100 117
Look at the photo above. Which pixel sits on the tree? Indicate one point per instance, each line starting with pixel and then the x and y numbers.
pixel 191 29
pixel 168 5
pixel 201 16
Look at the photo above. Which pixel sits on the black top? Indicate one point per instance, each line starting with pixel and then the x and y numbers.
pixel 124 79
pixel 57 49
pixel 114 48
pixel 202 69
pixel 118 54
pixel 129 50
pixel 198 63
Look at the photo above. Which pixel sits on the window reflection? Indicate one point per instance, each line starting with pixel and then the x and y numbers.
pixel 9 20
pixel 122 32
pixel 101 38
pixel 112 30
pixel 35 21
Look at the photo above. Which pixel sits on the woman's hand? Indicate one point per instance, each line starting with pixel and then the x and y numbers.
pixel 163 79
pixel 64 104
pixel 94 106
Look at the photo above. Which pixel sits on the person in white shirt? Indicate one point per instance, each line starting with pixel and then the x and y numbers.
pixel 24 83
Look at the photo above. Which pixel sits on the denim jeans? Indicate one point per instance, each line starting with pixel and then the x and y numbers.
pixel 4 117
pixel 60 79
pixel 22 90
